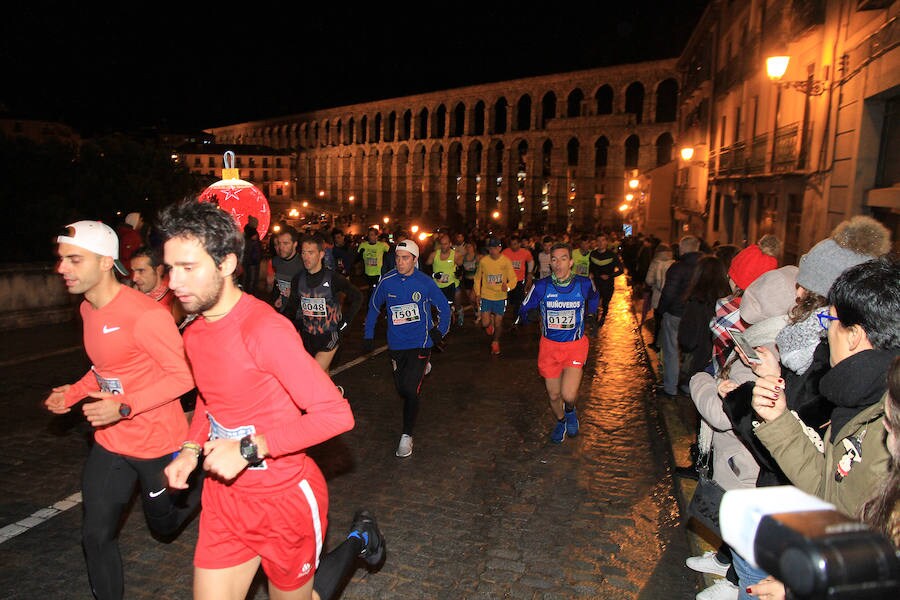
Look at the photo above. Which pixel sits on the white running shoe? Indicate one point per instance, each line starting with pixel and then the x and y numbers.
pixel 707 564
pixel 722 589
pixel 405 447
pixel 428 367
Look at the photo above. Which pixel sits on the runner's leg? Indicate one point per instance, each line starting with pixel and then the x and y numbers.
pixel 107 486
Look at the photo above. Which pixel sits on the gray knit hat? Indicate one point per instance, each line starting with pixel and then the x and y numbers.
pixel 851 243
pixel 772 294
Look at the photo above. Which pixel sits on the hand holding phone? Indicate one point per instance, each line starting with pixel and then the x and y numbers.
pixel 741 342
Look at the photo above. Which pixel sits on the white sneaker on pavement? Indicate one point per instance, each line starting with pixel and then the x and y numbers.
pixel 428 367
pixel 707 564
pixel 722 589
pixel 405 447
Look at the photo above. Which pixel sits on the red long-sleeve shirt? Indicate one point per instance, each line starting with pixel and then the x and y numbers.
pixel 254 376
pixel 136 350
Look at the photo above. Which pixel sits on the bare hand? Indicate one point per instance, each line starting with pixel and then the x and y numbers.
pixel 768 588
pixel 105 410
pixel 725 387
pixel 56 401
pixel 769 364
pixel 769 400
pixel 223 458
pixel 178 471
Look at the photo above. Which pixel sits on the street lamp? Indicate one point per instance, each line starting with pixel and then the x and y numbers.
pixel 633 183
pixel 687 153
pixel 776 67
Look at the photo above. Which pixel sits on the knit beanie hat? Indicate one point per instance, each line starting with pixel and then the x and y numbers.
pixel 851 243
pixel 749 264
pixel 772 294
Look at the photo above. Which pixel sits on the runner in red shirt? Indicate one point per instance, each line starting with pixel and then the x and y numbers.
pixel 139 371
pixel 262 401
pixel 523 265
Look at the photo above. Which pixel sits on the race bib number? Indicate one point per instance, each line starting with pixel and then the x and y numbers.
pixel 561 319
pixel 313 307
pixel 517 264
pixel 217 431
pixel 284 287
pixel 444 277
pixel 581 269
pixel 403 314
pixel 371 260
pixel 495 279
pixel 112 385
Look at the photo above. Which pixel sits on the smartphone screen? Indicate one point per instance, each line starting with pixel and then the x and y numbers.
pixel 748 350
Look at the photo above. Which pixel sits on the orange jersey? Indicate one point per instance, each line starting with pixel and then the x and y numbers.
pixel 137 352
pixel 519 259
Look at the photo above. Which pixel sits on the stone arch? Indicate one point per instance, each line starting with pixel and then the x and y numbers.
pixel 634 101
pixel 632 151
pixel 664 144
pixel 401 193
pixel 574 102
pixel 390 133
pixel 363 129
pixel 458 120
pixel 371 190
pixel 376 129
pixel 350 134
pixel 454 187
pixel 387 180
pixel 418 186
pixel 523 113
pixel 478 115
pixel 499 121
pixel 666 101
pixel 420 131
pixel 548 109
pixel 604 100
pixel 572 149
pixel 439 122
pixel 474 181
pixel 432 182
pixel 405 126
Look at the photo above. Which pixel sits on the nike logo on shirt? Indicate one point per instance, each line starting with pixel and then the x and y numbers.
pixel 156 494
pixel 110 329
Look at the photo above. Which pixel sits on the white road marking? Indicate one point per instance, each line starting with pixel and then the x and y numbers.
pixel 36 518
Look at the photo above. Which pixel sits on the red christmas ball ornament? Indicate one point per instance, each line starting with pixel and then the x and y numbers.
pixel 240 198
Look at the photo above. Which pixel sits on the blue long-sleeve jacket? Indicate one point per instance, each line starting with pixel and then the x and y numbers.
pixel 563 309
pixel 409 300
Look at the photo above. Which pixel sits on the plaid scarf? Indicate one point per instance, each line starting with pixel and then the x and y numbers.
pixel 728 315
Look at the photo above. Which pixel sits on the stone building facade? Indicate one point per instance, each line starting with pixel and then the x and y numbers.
pixel 797 155
pixel 546 153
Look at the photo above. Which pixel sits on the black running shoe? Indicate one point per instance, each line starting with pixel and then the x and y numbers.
pixel 366 529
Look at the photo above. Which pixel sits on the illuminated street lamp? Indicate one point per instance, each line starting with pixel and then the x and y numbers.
pixel 414 229
pixel 634 183
pixel 293 213
pixel 305 204
pixel 351 198
pixel 386 220
pixel 623 207
pixel 687 153
pixel 321 193
pixel 629 197
pixel 776 66
pixel 496 214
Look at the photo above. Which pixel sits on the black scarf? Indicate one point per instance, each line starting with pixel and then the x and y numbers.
pixel 854 384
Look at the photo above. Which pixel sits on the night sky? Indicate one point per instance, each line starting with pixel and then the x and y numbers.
pixel 182 67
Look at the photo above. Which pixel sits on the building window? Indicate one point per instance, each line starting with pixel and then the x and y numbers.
pixel 211 161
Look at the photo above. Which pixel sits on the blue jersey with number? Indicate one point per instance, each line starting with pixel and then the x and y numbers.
pixel 563 309
pixel 408 301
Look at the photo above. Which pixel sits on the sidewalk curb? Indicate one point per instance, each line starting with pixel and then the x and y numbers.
pixel 675 429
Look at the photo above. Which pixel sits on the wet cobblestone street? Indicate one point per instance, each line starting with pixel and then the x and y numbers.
pixel 486 507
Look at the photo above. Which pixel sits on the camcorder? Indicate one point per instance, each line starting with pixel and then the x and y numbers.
pixel 809 546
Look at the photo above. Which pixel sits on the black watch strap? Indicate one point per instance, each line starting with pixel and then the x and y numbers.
pixel 249 450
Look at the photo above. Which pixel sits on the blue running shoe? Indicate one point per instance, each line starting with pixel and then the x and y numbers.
pixel 571 423
pixel 559 432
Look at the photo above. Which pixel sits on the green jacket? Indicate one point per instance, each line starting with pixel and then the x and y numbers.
pixel 814 471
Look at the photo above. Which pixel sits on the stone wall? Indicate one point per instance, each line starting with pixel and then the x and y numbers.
pixel 33 294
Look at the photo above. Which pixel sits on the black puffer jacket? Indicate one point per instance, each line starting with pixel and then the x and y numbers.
pixel 678 278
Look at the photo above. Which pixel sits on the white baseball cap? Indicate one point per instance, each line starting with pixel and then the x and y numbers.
pixel 96 237
pixel 409 246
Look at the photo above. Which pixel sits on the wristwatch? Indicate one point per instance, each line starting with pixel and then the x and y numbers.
pixel 124 410
pixel 249 450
